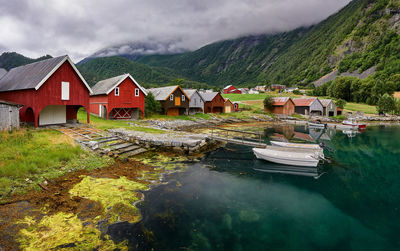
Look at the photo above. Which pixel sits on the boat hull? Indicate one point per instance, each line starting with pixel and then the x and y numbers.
pixel 286 158
pixel 296 145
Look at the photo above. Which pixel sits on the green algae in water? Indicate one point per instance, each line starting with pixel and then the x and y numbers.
pixel 63 231
pixel 116 195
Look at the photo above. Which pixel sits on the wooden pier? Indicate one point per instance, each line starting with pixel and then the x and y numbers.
pixel 238 141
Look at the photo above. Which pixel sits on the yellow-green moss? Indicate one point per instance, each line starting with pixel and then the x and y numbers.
pixel 64 231
pixel 116 195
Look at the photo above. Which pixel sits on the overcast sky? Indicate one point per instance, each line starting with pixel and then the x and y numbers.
pixel 81 27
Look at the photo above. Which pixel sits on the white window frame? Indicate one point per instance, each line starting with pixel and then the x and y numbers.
pixel 116 91
pixel 65 90
pixel 171 97
pixel 183 97
pixel 137 92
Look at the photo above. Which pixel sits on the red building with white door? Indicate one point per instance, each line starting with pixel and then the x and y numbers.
pixel 51 91
pixel 119 97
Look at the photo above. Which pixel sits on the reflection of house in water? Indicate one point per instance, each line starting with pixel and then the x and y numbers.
pixel 303 136
pixel 316 133
pixel 280 131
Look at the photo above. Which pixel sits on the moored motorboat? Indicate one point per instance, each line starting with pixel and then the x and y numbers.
pixel 289 156
pixel 296 145
pixel 354 123
pixel 317 124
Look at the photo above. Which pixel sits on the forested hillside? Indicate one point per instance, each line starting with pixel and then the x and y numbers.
pixel 363 34
pixel 97 69
pixel 9 60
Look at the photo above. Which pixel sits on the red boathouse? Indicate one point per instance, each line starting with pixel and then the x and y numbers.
pixel 51 91
pixel 119 97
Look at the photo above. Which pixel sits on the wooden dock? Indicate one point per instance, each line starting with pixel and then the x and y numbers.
pixel 238 141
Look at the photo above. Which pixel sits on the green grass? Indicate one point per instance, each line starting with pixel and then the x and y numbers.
pixel 367 109
pixel 260 96
pixel 104 124
pixel 35 154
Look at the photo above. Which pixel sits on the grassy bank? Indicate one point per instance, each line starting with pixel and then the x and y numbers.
pixel 104 124
pixel 27 156
pixel 260 96
pixel 367 109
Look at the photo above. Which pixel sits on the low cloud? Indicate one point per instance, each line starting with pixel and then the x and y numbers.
pixel 80 28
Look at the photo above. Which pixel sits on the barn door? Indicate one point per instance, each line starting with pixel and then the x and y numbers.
pixel 173 112
pixel 122 113
pixel 53 114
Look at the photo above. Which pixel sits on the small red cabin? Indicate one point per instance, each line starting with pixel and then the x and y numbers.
pixel 213 102
pixel 51 91
pixel 119 97
pixel 231 89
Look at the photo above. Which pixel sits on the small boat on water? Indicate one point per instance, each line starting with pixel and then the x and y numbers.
pixel 352 122
pixel 317 124
pixel 290 156
pixel 296 145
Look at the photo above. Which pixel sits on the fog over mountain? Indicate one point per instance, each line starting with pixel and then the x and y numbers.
pixel 81 28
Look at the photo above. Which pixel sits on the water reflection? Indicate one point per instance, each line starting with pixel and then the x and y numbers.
pixel 222 203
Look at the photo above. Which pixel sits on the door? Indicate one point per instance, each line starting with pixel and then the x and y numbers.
pixel 53 114
pixel 228 109
pixel 177 101
pixel 173 112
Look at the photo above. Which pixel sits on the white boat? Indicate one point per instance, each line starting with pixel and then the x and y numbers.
pixel 317 124
pixel 354 123
pixel 296 145
pixel 289 156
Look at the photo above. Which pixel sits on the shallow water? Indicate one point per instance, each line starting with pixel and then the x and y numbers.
pixel 223 203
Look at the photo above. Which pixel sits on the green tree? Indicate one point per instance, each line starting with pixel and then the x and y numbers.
pixel 268 102
pixel 152 106
pixel 340 103
pixel 397 107
pixel 386 104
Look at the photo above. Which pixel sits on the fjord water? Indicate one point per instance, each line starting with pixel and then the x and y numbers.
pixel 223 203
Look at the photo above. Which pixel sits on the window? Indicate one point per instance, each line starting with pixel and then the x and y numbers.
pixel 116 91
pixel 64 90
pixel 171 97
pixel 137 92
pixel 183 97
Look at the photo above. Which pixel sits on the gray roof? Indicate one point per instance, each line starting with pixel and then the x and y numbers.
pixel 28 76
pixel 162 93
pixel 102 87
pixel 2 72
pixel 208 96
pixel 9 103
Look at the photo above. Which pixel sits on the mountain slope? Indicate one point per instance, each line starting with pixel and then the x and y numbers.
pixel 9 60
pixel 365 33
pixel 96 69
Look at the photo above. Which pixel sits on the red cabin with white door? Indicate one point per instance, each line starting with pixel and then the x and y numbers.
pixel 51 91
pixel 119 97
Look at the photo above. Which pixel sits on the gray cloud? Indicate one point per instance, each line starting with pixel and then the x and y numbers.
pixel 80 28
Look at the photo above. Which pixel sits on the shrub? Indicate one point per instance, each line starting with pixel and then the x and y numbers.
pixel 268 102
pixel 386 104
pixel 340 103
pixel 296 92
pixel 152 106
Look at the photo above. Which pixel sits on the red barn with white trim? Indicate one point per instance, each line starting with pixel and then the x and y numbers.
pixel 231 89
pixel 119 97
pixel 51 91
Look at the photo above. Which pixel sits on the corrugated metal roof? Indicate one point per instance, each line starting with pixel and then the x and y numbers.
pixel 103 86
pixel 162 93
pixel 208 96
pixel 226 87
pixel 9 103
pixel 2 72
pixel 325 102
pixel 228 100
pixel 28 76
pixel 278 101
pixel 303 101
